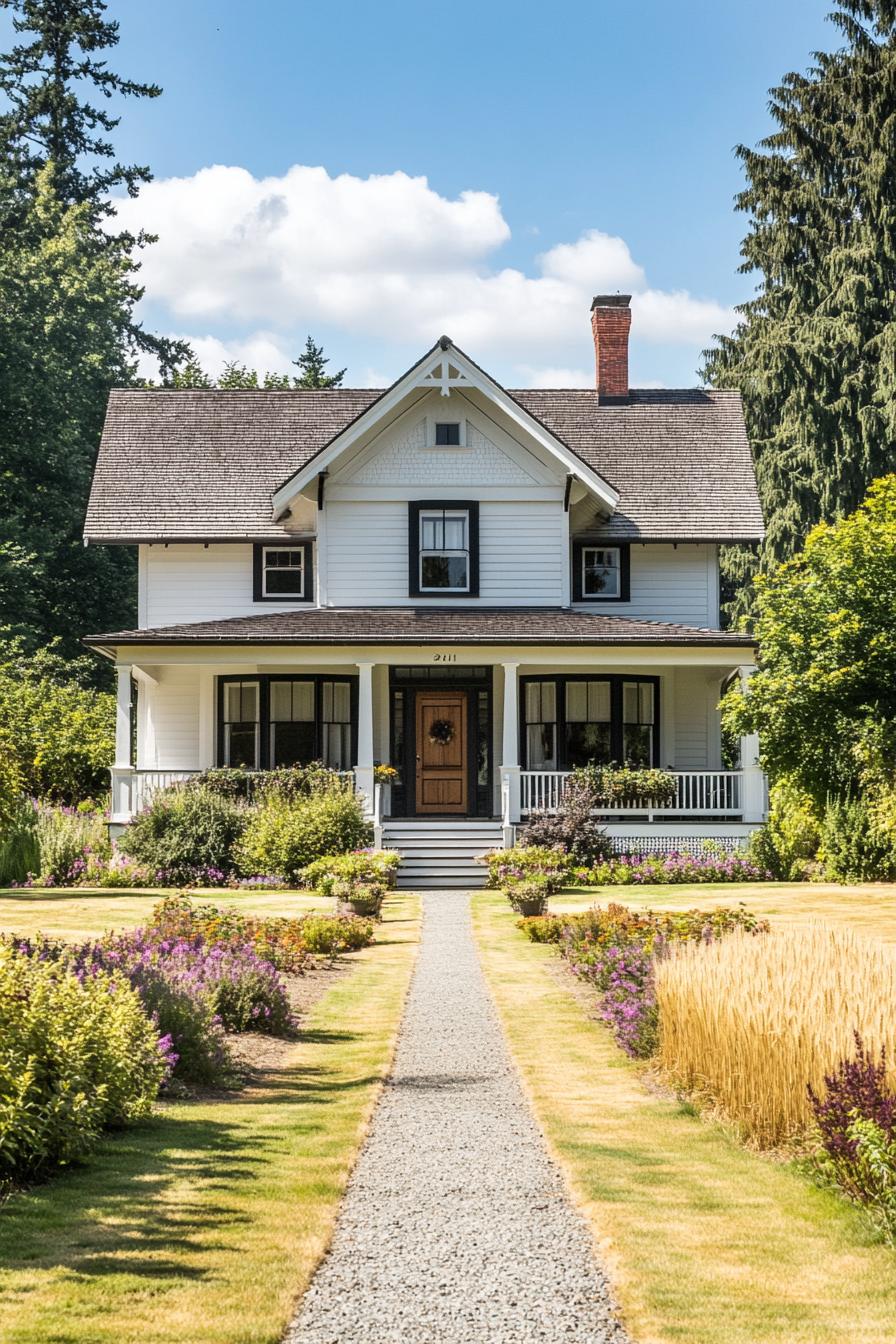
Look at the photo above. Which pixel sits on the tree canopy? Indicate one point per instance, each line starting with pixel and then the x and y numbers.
pixel 311 365
pixel 824 698
pixel 814 353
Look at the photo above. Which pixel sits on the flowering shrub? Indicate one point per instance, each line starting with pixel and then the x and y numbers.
pixel 285 835
pixel 68 840
pixel 573 828
pixel 658 869
pixel 508 866
pixel 77 1055
pixel 615 950
pixel 364 866
pixel 279 941
pixel 856 1122
pixel 528 892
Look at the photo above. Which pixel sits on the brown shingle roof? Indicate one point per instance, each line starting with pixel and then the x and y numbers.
pixel 203 465
pixel 427 625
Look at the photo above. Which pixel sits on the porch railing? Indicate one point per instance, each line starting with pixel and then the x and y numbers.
pixel 133 790
pixel 698 793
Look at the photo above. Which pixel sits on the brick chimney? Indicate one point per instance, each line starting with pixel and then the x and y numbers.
pixel 611 318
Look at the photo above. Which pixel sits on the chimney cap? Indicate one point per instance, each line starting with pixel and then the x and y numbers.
pixel 611 301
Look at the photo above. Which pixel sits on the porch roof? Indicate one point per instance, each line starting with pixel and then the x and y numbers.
pixel 429 625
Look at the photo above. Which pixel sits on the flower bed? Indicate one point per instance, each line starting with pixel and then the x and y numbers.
pixel 661 869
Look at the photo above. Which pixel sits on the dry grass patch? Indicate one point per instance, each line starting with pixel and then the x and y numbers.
pixel 709 1242
pixel 748 1022
pixel 205 1224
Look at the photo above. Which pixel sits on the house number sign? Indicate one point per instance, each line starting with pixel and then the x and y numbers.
pixel 444 657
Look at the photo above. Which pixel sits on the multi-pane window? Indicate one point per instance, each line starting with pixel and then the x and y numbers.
pixel 541 724
pixel 283 571
pixel 292 732
pixel 588 723
pixel 444 550
pixel 448 434
pixel 638 715
pixel 336 724
pixel 241 737
pixel 600 571
pixel 575 721
pixel 282 721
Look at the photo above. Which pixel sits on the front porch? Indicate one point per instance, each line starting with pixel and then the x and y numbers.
pixel 475 737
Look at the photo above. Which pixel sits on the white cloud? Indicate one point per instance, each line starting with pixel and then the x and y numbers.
pixel 541 377
pixel 384 257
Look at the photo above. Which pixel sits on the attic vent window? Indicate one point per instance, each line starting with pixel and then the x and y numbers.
pixel 448 434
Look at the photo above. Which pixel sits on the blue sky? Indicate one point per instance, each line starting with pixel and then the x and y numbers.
pixel 598 137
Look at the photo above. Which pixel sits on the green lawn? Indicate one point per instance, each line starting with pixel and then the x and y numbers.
pixel 84 912
pixel 869 909
pixel 205 1224
pixel 708 1243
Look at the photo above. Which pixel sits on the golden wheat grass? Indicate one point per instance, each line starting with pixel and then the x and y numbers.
pixel 747 1022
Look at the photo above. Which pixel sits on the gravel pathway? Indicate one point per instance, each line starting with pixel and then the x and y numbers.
pixel 456 1227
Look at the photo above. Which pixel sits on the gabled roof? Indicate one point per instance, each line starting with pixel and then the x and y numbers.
pixel 428 625
pixel 196 465
pixel 447 368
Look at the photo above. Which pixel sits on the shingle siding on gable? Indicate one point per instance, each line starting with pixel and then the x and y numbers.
pixel 411 458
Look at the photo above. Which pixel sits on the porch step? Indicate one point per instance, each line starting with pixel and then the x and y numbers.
pixel 441 853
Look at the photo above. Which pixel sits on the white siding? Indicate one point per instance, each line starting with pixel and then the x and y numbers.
pixel 669 583
pixel 696 696
pixel 181 583
pixel 168 720
pixel 521 554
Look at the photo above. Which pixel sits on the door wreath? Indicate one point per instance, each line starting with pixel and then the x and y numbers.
pixel 441 732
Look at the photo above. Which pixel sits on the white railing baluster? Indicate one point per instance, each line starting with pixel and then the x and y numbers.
pixel 698 793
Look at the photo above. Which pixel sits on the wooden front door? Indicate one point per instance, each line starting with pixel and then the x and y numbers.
pixel 441 724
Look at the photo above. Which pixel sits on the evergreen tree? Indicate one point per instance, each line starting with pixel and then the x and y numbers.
pixel 311 365
pixel 814 353
pixel 47 119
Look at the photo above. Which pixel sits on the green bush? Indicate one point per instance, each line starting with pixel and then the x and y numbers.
pixel 379 866
pixel 184 829
pixel 68 841
pixel 509 866
pixel 326 935
pixel 853 848
pixel 75 1058
pixel 615 784
pixel 285 835
pixel 19 849
pixel 60 731
pixel 289 781
pixel 787 844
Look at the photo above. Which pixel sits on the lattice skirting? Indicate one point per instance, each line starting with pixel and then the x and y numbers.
pixel 680 844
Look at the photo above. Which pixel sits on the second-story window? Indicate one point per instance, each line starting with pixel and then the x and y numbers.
pixel 600 573
pixel 283 573
pixel 443 548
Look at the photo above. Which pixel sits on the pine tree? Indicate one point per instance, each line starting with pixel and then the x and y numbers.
pixel 47 119
pixel 814 353
pixel 311 365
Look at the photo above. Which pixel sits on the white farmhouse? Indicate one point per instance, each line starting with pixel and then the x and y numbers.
pixel 482 587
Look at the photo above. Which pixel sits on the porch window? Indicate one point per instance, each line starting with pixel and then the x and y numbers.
pixel 579 720
pixel 600 573
pixel 281 721
pixel 291 730
pixel 283 573
pixel 443 549
pixel 241 724
pixel 541 724
pixel 588 723
pixel 638 713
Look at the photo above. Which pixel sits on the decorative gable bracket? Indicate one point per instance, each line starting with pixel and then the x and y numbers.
pixel 443 372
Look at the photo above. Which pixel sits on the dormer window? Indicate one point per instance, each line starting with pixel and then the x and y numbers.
pixel 443 548
pixel 600 573
pixel 283 573
pixel 448 434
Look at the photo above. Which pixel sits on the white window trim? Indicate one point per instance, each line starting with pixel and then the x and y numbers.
pixel 303 570
pixel 596 597
pixel 442 515
pixel 433 420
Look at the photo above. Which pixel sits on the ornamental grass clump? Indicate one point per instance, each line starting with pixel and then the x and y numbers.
pixel 78 1054
pixel 748 1025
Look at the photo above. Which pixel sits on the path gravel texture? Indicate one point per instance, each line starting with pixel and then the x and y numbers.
pixel 456 1227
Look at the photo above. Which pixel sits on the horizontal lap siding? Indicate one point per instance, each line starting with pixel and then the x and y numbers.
pixel 170 712
pixel 521 554
pixel 669 583
pixel 195 583
pixel 693 697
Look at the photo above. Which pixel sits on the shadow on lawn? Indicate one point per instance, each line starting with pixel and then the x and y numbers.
pixel 158 1201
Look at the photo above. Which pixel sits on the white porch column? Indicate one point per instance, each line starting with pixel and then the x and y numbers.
pixel 510 752
pixel 122 771
pixel 364 767
pixel 753 799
